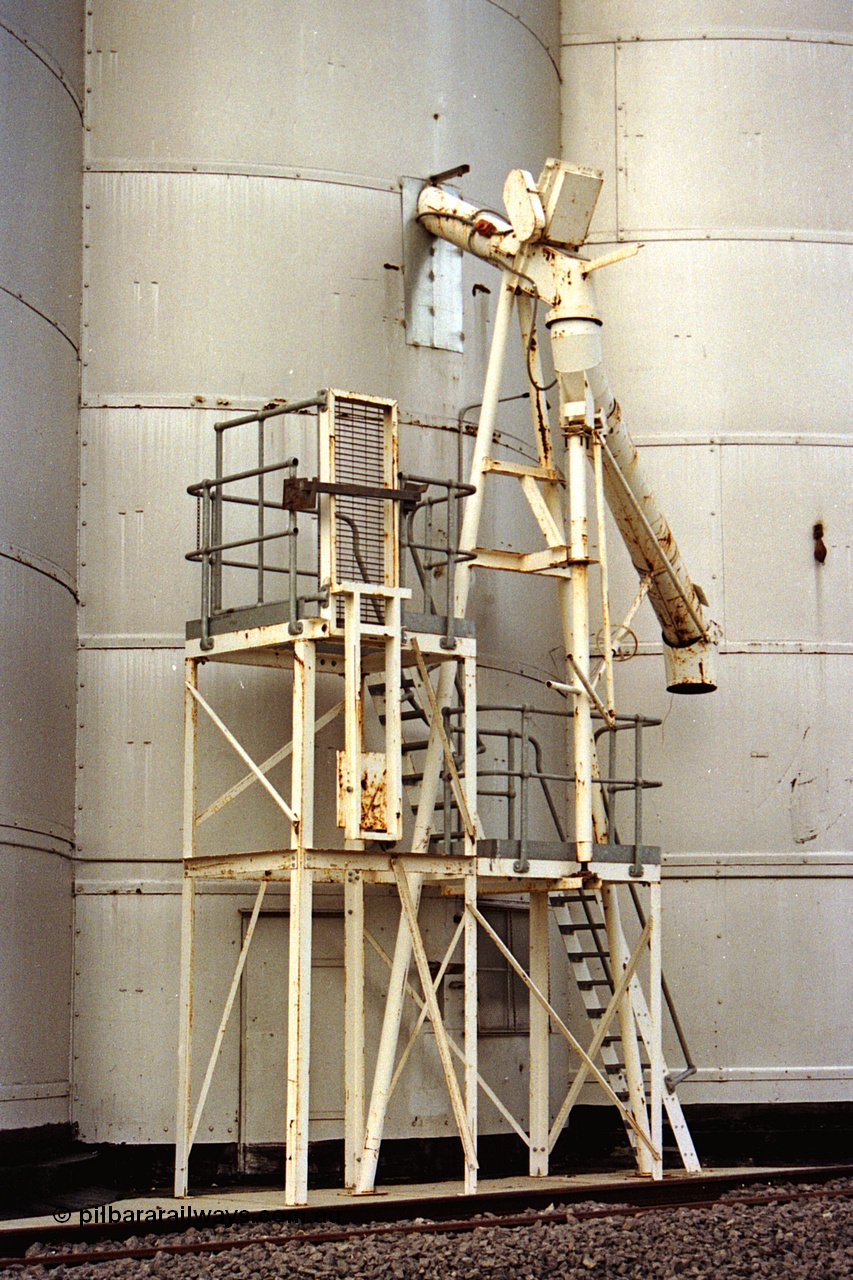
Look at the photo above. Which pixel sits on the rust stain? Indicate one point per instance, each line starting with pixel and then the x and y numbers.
pixel 374 791
pixel 819 544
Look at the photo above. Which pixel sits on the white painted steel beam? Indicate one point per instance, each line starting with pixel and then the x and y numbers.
pixel 539 1037
pixel 301 893
pixel 353 1025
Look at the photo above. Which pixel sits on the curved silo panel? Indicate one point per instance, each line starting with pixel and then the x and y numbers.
pixel 725 140
pixel 244 241
pixel 40 137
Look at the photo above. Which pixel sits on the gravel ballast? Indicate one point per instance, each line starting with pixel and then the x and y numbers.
pixel 808 1237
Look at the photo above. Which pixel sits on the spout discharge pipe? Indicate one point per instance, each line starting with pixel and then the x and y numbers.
pixel 563 281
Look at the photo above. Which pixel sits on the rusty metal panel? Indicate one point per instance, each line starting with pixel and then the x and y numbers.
pixel 40 209
pixel 35 986
pixel 298 76
pixel 775 588
pixel 433 281
pixel 701 338
pixel 692 19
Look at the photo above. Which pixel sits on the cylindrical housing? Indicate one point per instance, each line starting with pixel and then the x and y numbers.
pixel 724 135
pixel 244 242
pixel 40 138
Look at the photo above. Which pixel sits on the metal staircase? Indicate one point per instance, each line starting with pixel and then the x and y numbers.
pixel 580 919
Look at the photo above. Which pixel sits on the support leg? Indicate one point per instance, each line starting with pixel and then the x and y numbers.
pixel 655 1049
pixel 353 1026
pixel 298 1038
pixel 471 1073
pixel 301 892
pixel 182 1120
pixel 388 1039
pixel 540 1025
pixel 185 1013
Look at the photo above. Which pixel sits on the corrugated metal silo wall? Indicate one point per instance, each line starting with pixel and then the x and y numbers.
pixel 724 135
pixel 41 142
pixel 242 201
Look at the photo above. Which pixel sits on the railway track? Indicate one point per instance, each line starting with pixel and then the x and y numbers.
pixel 634 1201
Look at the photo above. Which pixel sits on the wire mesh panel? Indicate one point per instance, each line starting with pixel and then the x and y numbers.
pixel 364 453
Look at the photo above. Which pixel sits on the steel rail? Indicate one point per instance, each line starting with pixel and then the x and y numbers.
pixel 654 1197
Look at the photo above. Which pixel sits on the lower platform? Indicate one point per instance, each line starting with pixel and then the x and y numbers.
pixel 139 1215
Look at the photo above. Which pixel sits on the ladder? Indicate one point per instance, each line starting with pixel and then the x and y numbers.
pixel 580 919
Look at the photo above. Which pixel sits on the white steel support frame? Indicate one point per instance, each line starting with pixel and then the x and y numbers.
pixel 585 398
pixel 584 421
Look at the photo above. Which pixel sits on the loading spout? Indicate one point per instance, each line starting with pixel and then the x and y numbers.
pixel 555 273
pixel 689 640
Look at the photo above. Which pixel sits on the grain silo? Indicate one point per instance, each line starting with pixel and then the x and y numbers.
pixel 39 297
pixel 249 179
pixel 723 132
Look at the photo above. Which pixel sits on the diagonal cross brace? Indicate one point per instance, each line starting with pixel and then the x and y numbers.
pixel 434 1013
pixel 245 757
pixel 563 1029
pixel 484 1085
pixel 436 722
pixel 265 766
pixel 424 1013
pixel 598 1039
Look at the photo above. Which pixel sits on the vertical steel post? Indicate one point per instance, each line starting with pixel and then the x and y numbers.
pixel 393 719
pixel 217 516
pixel 540 1024
pixel 470 938
pixel 353 715
pixel 655 1049
pixel 579 557
pixel 353 1025
pixel 470 1019
pixel 183 1117
pixel 637 866
pixel 598 472
pixel 301 887
pixel 554 503
pixel 261 512
pixel 185 1015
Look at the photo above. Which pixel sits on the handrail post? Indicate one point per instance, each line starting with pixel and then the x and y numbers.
pixel 637 867
pixel 206 641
